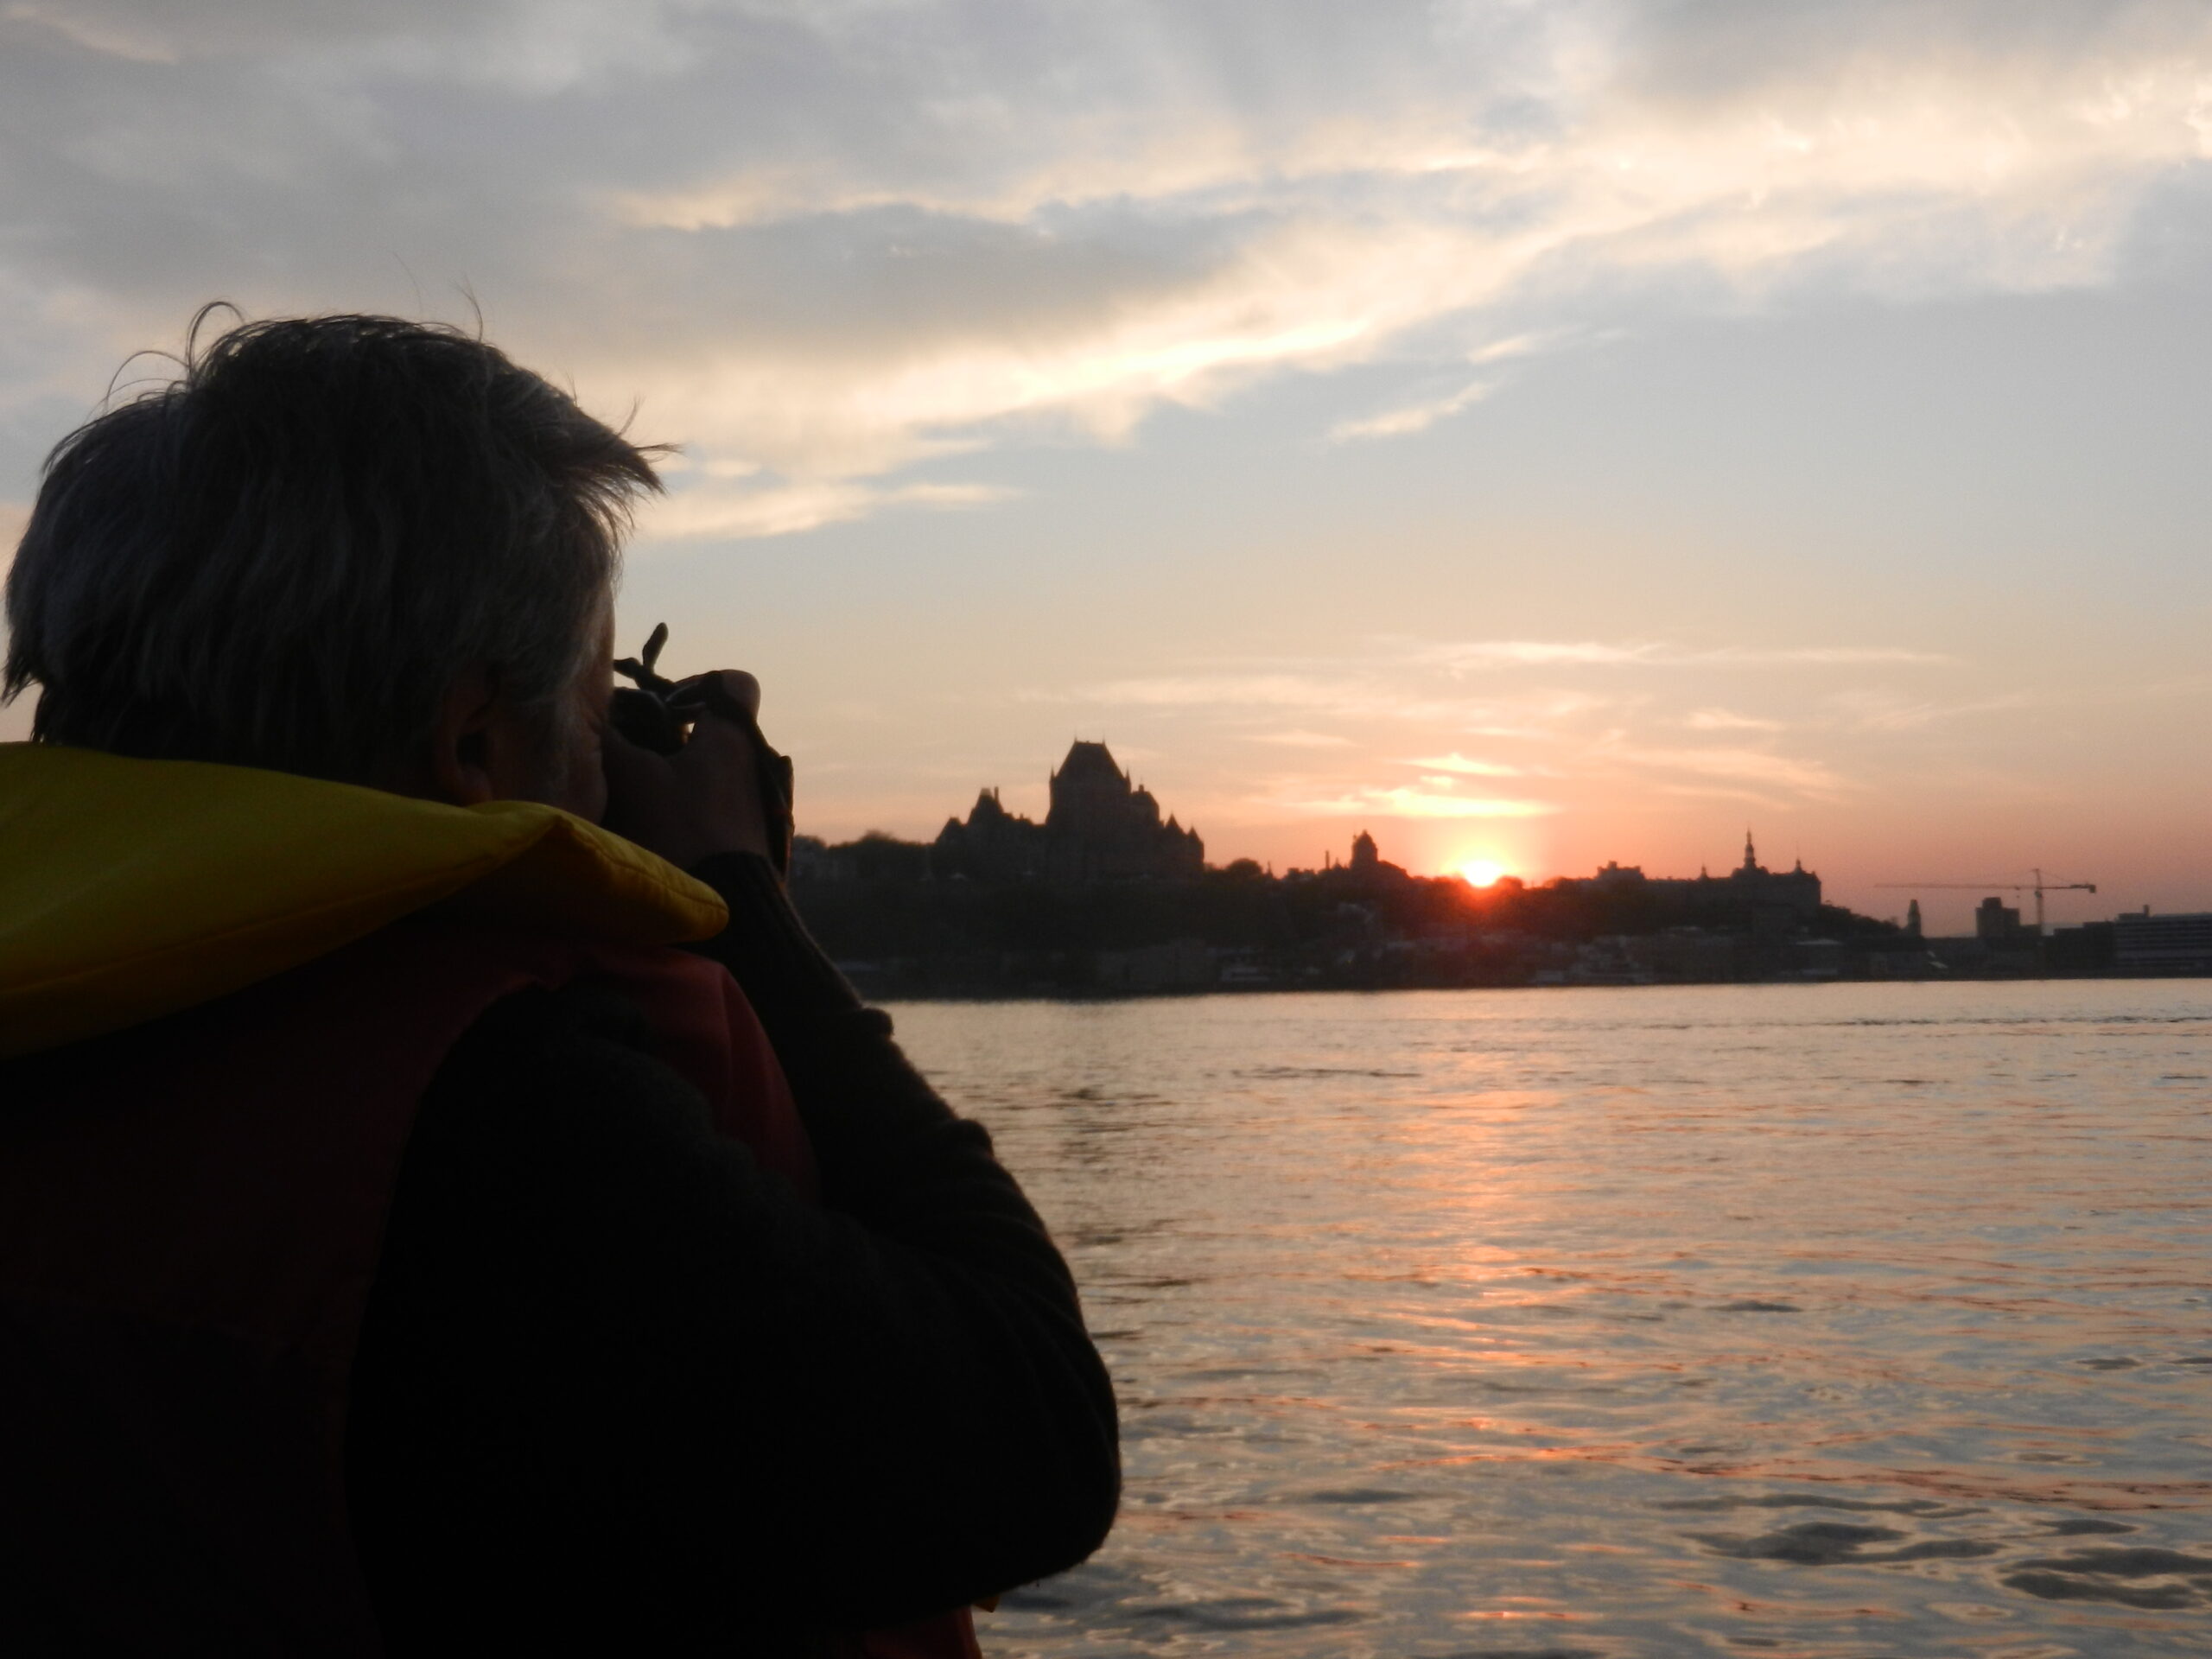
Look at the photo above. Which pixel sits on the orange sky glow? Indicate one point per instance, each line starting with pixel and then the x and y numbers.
pixel 1536 435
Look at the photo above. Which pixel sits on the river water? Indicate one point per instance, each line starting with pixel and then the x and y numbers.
pixel 1773 1320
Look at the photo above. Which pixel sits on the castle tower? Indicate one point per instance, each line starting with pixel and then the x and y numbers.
pixel 1088 792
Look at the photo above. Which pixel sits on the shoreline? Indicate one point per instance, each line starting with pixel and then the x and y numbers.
pixel 874 988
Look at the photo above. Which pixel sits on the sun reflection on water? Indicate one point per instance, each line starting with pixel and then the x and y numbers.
pixel 1673 1314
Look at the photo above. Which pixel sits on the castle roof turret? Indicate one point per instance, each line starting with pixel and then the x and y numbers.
pixel 1089 760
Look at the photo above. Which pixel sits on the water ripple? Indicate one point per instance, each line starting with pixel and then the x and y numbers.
pixel 1847 1320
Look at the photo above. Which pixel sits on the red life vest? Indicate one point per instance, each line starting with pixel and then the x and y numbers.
pixel 190 1219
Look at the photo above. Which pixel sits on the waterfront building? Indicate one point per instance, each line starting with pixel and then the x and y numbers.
pixel 2162 944
pixel 1100 825
pixel 2086 949
pixel 1750 890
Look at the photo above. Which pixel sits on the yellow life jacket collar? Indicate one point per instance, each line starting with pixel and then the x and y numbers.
pixel 131 889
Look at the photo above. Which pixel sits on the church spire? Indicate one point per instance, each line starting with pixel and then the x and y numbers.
pixel 1750 856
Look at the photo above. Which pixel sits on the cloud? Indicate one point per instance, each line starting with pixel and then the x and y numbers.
pixel 1726 720
pixel 1886 710
pixel 1812 656
pixel 1404 802
pixel 1537 653
pixel 1300 740
pixel 1418 417
pixel 1412 681
pixel 1713 792
pixel 1348 695
pixel 834 241
pixel 1799 733
pixel 1382 688
pixel 1586 746
pixel 1759 766
pixel 787 509
pixel 1456 762
pixel 1525 653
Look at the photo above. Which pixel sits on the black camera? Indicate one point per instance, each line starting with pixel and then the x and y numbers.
pixel 659 713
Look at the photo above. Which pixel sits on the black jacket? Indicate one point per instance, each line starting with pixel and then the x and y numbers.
pixel 616 1382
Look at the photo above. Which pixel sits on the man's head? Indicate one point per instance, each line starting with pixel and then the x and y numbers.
pixel 352 547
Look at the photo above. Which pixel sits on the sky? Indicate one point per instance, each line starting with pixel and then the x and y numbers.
pixel 1546 433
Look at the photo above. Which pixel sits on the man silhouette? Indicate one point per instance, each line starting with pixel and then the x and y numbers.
pixel 404 1242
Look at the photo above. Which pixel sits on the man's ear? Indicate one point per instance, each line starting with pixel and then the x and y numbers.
pixel 465 760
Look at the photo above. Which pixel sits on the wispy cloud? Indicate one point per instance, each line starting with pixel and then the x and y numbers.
pixel 1457 762
pixel 1876 709
pixel 1354 691
pixel 1591 653
pixel 1759 766
pixel 1414 418
pixel 786 509
pixel 831 241
pixel 1419 416
pixel 1408 697
pixel 1621 185
pixel 1727 719
pixel 1404 802
pixel 1402 688
pixel 1812 656
pixel 1298 740
pixel 1349 696
pixel 1398 678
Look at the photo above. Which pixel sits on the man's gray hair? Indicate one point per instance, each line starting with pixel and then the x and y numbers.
pixel 284 557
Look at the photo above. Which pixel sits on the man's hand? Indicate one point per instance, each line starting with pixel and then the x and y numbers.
pixel 703 799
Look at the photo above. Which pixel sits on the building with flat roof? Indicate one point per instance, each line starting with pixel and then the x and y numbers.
pixel 2162 944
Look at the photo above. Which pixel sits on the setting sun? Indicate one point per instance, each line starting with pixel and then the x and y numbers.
pixel 1481 872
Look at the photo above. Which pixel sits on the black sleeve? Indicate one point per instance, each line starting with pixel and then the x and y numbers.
pixel 614 1373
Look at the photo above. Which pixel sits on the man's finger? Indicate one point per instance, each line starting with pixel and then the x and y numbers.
pixel 726 691
pixel 722 749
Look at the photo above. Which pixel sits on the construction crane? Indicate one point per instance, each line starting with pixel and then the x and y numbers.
pixel 2038 887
